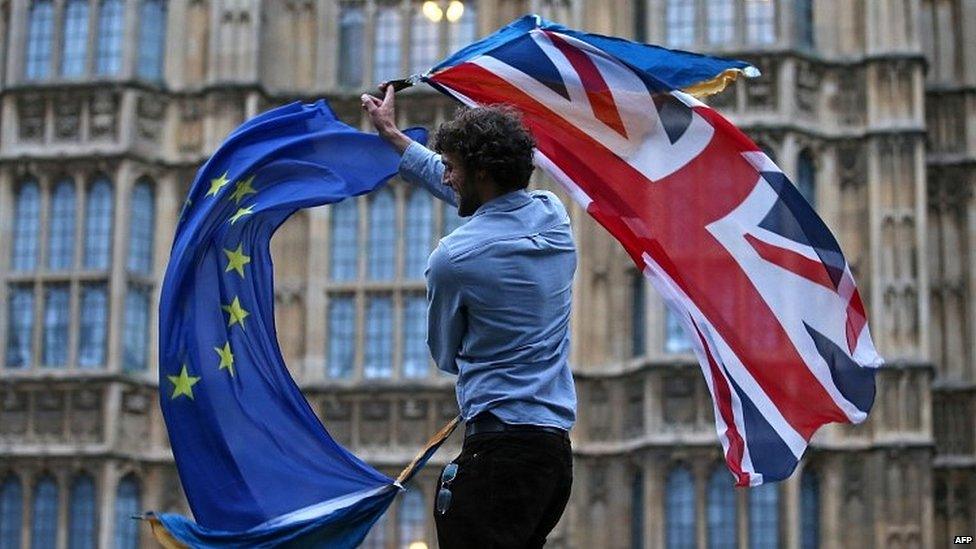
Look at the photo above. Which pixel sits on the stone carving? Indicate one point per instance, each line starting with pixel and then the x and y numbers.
pixel 761 93
pixel 412 427
pixel 375 425
pixel 191 125
pixel 150 110
pixel 849 101
pixel 600 422
pixel 49 415
pixel 678 404
pixel 85 420
pixel 67 118
pixel 135 420
pixel 13 413
pixel 808 79
pixel 103 112
pixel 851 164
pixel 30 119
pixel 634 417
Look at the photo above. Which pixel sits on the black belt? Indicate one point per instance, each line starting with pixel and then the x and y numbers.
pixel 488 423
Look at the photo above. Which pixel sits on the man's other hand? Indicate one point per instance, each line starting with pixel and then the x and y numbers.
pixel 382 114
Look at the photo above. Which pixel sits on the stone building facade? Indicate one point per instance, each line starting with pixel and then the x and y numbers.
pixel 107 108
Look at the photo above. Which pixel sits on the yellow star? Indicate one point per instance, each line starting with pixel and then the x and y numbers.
pixel 226 358
pixel 243 189
pixel 236 260
pixel 217 184
pixel 241 212
pixel 236 313
pixel 183 384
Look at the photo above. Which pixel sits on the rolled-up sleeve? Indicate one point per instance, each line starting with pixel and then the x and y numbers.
pixel 446 321
pixel 422 166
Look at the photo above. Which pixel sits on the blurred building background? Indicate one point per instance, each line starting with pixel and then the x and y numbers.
pixel 107 107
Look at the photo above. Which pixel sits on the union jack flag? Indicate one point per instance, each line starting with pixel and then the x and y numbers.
pixel 755 276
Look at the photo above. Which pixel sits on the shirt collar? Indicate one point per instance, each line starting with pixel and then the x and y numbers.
pixel 505 203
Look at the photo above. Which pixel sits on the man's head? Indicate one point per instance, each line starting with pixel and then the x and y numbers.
pixel 487 152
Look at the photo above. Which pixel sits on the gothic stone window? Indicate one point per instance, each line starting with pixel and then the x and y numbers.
pixel 111 26
pixel 74 43
pixel 721 22
pixel 352 34
pixel 40 37
pixel 764 517
pixel 680 20
pixel 11 512
pixel 152 39
pixel 127 503
pixel 82 517
pixel 679 509
pixel 810 509
pixel 44 523
pixel 721 510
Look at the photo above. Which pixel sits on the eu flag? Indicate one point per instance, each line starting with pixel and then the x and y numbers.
pixel 257 466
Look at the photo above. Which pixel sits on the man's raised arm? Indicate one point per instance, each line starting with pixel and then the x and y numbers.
pixel 418 164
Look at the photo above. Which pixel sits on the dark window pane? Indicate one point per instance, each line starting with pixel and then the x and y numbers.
pixel 141 222
pixel 760 21
pixel 98 225
pixel 82 518
pixel 352 43
pixel 74 46
pixel 56 318
pixel 111 28
pixel 810 510
pixel 420 228
pixel 424 42
pixel 40 36
pixel 413 511
pixel 27 227
pixel 415 354
pixel 152 39
pixel 61 237
pixel 465 30
pixel 135 333
pixel 127 504
pixel 721 21
pixel 679 509
pixel 675 338
pixel 721 510
pixel 764 516
pixel 637 511
pixel 93 328
pixel 11 512
pixel 382 236
pixel 378 361
pixel 386 52
pixel 806 177
pixel 20 327
pixel 44 527
pixel 342 336
pixel 680 22
pixel 638 320
pixel 345 231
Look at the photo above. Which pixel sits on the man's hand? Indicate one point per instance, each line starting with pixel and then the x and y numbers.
pixel 383 117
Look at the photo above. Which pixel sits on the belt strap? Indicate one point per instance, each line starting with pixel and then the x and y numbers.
pixel 488 423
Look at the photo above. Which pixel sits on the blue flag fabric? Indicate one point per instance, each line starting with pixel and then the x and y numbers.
pixel 256 464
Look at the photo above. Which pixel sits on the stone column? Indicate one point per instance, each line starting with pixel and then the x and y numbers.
pixel 117 278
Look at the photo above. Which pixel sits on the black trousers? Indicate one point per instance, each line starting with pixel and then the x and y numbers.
pixel 509 491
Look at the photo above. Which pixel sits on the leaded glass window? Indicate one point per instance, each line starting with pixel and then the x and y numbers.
pixel 382 235
pixel 376 539
pixel 451 218
pixel 420 225
pixel 27 227
pixel 810 510
pixel 637 511
pixel 11 512
pixel 764 516
pixel 638 317
pixel 424 42
pixel 415 354
pixel 111 29
pixel 412 518
pixel 465 30
pixel 679 509
pixel 74 46
pixel 40 36
pixel 127 504
pixel 721 21
pixel 152 39
pixel 20 326
pixel 141 223
pixel 804 23
pixel 721 510
pixel 81 518
pixel 93 333
pixel 56 318
pixel 378 359
pixel 135 332
pixel 345 232
pixel 342 336
pixel 676 340
pixel 760 21
pixel 98 225
pixel 806 177
pixel 61 228
pixel 352 36
pixel 44 526
pixel 386 50
pixel 680 21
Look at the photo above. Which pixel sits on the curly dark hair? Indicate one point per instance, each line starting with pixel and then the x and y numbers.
pixel 491 139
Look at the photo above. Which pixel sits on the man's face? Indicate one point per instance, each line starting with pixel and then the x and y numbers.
pixel 459 179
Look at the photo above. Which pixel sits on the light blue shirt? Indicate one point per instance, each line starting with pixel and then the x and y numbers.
pixel 499 290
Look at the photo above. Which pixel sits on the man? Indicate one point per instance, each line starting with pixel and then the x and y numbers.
pixel 499 291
